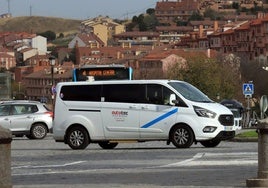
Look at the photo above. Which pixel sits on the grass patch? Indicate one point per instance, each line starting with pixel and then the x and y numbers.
pixel 248 134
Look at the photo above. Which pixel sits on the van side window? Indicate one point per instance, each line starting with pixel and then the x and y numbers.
pixel 81 93
pixel 158 94
pixel 154 94
pixel 126 93
pixel 166 94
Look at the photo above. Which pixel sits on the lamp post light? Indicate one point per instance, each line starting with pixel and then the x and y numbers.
pixel 52 64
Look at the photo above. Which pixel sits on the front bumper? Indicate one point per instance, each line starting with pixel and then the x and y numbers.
pixel 225 135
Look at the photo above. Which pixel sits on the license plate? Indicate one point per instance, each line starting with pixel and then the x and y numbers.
pixel 229 128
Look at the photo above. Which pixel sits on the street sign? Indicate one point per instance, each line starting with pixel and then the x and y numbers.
pixel 248 89
pixel 53 90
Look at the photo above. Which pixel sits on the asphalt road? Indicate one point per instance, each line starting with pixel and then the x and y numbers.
pixel 45 163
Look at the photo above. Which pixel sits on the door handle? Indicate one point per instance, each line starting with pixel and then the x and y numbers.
pixel 144 107
pixel 133 107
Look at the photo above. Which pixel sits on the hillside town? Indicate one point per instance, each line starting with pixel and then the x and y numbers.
pixel 26 59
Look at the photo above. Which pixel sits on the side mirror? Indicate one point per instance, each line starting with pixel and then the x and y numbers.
pixel 172 100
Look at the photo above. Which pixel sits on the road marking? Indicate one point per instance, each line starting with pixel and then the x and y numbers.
pixel 207 159
pixel 48 166
pixel 200 159
pixel 185 162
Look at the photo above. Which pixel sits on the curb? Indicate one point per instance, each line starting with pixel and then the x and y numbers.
pixel 244 140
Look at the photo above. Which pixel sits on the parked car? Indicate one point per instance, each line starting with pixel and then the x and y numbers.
pixel 30 118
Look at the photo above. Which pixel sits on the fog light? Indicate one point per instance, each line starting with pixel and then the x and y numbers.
pixel 209 129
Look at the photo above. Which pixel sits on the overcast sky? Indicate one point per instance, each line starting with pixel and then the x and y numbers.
pixel 77 9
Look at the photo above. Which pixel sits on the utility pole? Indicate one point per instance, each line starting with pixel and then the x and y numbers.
pixel 8 4
pixel 30 10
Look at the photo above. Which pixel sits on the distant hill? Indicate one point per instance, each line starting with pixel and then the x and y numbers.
pixel 38 24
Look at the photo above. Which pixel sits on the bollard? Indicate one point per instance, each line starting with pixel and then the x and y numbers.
pixel 5 158
pixel 262 178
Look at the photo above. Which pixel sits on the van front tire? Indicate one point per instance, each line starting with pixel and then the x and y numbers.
pixel 182 136
pixel 77 138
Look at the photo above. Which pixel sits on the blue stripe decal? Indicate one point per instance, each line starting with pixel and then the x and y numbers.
pixel 164 116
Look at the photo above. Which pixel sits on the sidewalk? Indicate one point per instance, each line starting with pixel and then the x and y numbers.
pixel 241 139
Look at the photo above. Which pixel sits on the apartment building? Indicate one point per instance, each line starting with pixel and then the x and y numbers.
pixel 128 39
pixel 167 12
pixel 247 39
pixel 7 58
pixel 172 34
pixel 89 40
pixel 103 27
pixel 38 85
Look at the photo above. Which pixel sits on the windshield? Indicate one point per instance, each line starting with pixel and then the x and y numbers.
pixel 190 92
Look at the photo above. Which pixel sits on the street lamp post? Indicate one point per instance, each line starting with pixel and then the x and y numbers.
pixel 52 64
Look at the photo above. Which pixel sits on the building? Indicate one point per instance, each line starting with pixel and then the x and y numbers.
pixel 128 39
pixel 169 12
pixel 7 59
pixel 5 86
pixel 157 64
pixel 103 27
pixel 38 85
pixel 89 40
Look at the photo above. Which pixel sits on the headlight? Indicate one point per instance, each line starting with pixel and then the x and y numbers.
pixel 202 112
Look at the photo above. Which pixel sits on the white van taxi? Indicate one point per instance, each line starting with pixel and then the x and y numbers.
pixel 109 112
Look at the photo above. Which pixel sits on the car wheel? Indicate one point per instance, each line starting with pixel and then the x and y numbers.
pixel 107 145
pixel 38 131
pixel 77 138
pixel 210 143
pixel 182 136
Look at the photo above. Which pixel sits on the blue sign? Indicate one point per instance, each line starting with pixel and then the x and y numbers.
pixel 248 89
pixel 53 90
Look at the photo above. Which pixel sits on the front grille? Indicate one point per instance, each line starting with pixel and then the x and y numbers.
pixel 226 120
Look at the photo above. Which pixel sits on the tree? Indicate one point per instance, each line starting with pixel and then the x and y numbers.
pixel 61 35
pixel 212 77
pixel 150 11
pixel 50 35
pixel 196 17
pixel 235 5
pixel 212 14
pixel 253 71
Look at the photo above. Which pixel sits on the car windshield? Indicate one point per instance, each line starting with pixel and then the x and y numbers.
pixel 190 92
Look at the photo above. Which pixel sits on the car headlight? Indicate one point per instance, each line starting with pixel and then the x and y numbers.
pixel 202 112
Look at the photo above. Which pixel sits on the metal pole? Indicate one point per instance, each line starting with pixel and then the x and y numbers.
pixel 52 83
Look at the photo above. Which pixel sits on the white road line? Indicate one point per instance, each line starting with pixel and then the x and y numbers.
pixel 185 162
pixel 48 166
pixel 241 158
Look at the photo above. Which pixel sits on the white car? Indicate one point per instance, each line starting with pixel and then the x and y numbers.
pixel 30 118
